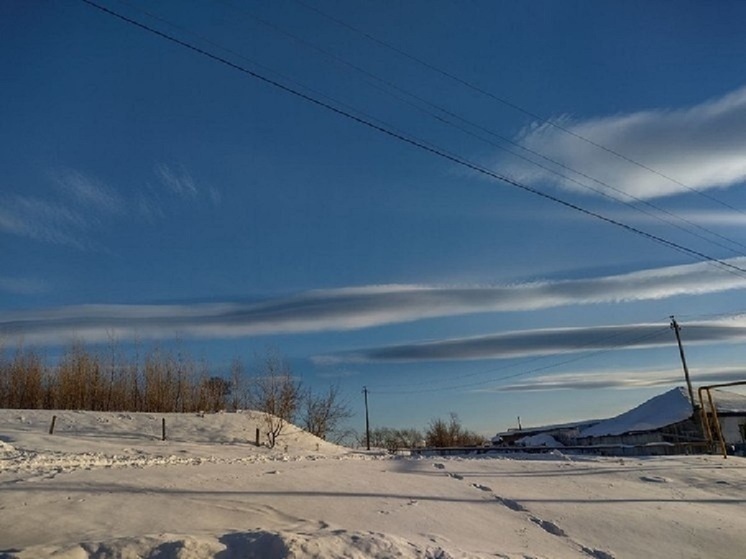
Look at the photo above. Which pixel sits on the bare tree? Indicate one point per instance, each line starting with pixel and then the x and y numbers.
pixel 322 413
pixel 451 433
pixel 393 439
pixel 276 393
pixel 238 396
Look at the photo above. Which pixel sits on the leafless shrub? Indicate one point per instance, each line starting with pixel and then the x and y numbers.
pixel 22 380
pixel 443 433
pixel 238 389
pixel 393 439
pixel 105 382
pixel 323 413
pixel 275 392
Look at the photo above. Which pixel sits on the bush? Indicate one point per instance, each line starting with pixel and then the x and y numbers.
pixel 275 392
pixel 443 433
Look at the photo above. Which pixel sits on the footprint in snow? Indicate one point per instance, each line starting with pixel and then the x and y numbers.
pixel 481 487
pixel 549 527
pixel 597 553
pixel 511 504
pixel 654 479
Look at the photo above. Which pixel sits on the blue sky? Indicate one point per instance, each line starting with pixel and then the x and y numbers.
pixel 149 192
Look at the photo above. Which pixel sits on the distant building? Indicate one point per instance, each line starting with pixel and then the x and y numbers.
pixel 565 433
pixel 667 420
pixel 662 425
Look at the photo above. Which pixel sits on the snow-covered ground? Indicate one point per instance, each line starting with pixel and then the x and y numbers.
pixel 105 485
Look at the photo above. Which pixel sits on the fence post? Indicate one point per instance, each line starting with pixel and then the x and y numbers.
pixel 257 436
pixel 51 427
pixel 163 429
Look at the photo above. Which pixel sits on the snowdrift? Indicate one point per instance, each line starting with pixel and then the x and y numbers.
pixel 105 486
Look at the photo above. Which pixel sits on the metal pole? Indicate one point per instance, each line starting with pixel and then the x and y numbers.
pixel 676 329
pixel 367 421
pixel 716 421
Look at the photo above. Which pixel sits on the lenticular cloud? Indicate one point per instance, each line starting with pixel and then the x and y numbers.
pixel 700 147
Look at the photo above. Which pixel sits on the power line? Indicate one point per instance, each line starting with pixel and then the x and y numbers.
pixel 514 106
pixel 371 76
pixel 434 150
pixel 394 86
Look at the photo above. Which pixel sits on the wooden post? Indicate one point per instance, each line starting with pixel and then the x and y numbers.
pixel 51 427
pixel 257 436
pixel 163 429
pixel 367 421
pixel 676 328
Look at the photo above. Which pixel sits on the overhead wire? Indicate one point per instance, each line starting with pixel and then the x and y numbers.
pixel 430 148
pixel 342 61
pixel 515 106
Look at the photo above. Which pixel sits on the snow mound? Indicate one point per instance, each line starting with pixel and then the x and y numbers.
pixel 221 428
pixel 335 544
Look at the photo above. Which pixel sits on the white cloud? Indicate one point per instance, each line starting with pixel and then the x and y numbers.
pixel 360 307
pixel 719 218
pixel 622 379
pixel 66 214
pixel 703 147
pixel 42 220
pixel 177 180
pixel 89 192
pixel 527 343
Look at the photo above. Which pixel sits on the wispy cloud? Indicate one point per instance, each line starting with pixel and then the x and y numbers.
pixel 703 146
pixel 88 192
pixel 177 180
pixel 527 343
pixel 68 212
pixel 22 286
pixel 622 379
pixel 78 203
pixel 724 218
pixel 43 220
pixel 362 307
pixel 174 183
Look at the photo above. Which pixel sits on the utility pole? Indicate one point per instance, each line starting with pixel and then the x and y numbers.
pixel 676 328
pixel 367 422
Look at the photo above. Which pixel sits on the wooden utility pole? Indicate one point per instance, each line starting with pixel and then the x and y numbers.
pixel 676 328
pixel 367 422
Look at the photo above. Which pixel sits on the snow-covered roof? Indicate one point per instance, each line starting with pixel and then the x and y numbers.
pixel 662 410
pixel 728 402
pixel 541 439
pixel 544 428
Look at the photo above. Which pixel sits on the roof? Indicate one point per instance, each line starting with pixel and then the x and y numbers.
pixel 665 409
pixel 513 431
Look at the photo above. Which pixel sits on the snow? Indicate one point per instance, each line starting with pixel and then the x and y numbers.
pixel 105 486
pixel 662 410
pixel 542 439
pixel 667 408
pixel 727 402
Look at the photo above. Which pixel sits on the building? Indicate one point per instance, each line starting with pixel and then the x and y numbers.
pixel 665 424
